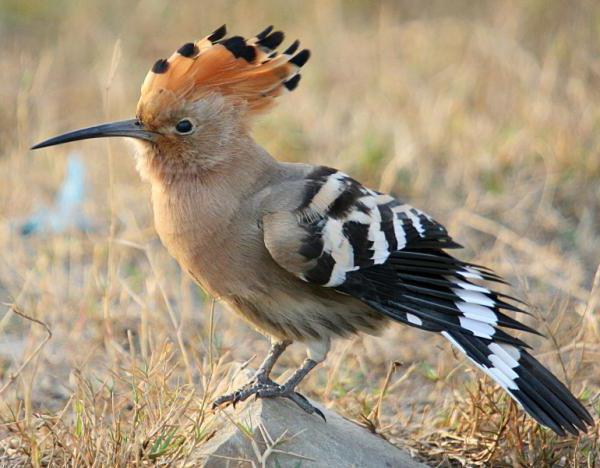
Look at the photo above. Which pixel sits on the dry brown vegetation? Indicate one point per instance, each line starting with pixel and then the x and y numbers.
pixel 485 114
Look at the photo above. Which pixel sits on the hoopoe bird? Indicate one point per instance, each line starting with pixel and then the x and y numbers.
pixel 306 253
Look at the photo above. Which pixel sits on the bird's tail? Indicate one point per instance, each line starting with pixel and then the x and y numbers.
pixel 433 291
pixel 527 381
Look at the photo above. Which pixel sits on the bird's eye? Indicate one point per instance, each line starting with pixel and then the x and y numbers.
pixel 184 127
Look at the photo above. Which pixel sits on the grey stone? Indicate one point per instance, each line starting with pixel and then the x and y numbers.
pixel 276 433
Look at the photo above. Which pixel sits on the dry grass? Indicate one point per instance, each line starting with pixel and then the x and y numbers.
pixel 486 114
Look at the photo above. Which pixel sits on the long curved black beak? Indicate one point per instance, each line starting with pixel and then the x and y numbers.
pixel 132 128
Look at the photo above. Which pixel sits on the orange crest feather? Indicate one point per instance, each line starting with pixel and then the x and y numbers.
pixel 250 71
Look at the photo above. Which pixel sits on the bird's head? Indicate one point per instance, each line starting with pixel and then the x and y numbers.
pixel 199 101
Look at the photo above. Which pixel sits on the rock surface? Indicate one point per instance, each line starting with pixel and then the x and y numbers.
pixel 277 433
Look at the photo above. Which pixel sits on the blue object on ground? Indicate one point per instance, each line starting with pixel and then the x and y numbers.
pixel 67 210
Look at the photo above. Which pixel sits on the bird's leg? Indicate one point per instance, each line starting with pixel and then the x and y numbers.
pixel 263 373
pixel 261 378
pixel 263 387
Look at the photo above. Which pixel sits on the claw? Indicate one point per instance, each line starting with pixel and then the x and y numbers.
pixel 220 401
pixel 308 404
pixel 320 413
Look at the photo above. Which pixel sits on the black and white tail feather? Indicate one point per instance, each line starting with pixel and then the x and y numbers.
pixel 391 256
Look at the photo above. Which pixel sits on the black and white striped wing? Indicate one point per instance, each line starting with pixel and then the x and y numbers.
pixel 350 227
pixel 391 256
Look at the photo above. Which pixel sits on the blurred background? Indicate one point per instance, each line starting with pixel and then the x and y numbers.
pixel 485 114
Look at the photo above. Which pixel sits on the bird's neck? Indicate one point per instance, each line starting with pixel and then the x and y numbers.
pixel 238 160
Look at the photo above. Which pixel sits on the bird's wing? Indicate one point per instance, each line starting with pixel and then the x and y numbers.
pixel 342 235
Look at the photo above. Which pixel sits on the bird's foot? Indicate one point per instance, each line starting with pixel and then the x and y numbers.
pixel 259 382
pixel 263 387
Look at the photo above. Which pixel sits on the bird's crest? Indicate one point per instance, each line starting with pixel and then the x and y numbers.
pixel 248 71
